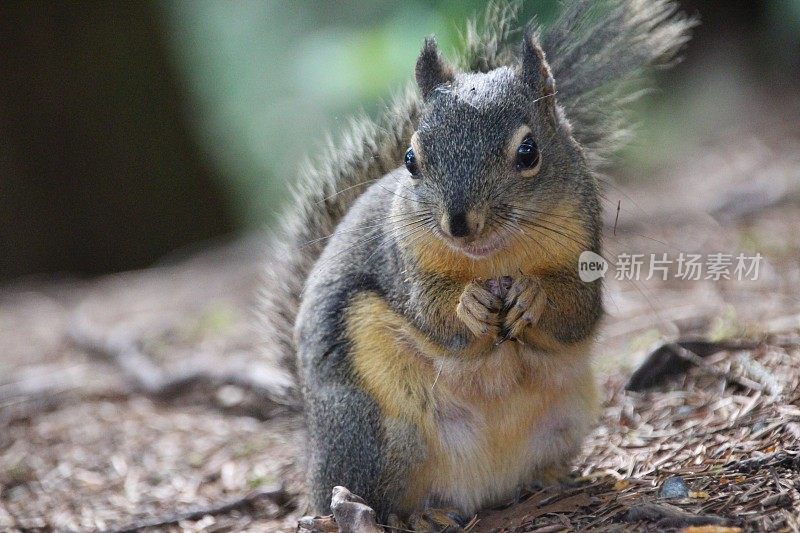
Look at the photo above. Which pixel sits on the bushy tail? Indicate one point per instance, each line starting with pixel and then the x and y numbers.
pixel 328 187
pixel 320 198
pixel 599 51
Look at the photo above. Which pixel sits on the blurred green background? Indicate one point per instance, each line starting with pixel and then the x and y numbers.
pixel 129 130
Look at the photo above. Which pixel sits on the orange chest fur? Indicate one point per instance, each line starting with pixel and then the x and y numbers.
pixel 477 417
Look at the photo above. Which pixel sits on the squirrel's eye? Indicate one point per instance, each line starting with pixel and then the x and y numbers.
pixel 411 163
pixel 528 158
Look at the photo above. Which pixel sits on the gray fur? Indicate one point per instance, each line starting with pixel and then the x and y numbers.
pixel 351 231
pixel 328 186
pixel 324 192
pixel 348 443
pixel 431 71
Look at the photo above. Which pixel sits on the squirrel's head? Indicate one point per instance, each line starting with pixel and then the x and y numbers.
pixel 493 163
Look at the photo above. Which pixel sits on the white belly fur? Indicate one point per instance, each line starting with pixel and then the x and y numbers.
pixel 510 427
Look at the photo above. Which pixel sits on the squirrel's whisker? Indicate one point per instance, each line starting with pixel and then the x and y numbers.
pixel 522 237
pixel 337 193
pixel 366 240
pixel 413 200
pixel 356 229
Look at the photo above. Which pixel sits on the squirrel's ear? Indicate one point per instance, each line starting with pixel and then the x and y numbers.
pixel 536 70
pixel 431 70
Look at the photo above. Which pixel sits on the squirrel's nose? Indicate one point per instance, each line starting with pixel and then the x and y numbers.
pixel 458 225
pixel 462 224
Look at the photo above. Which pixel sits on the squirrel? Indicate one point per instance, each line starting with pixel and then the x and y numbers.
pixel 424 287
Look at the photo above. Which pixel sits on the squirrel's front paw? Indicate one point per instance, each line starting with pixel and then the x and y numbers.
pixel 478 309
pixel 524 304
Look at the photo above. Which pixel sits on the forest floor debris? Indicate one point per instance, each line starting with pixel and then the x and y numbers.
pixel 84 446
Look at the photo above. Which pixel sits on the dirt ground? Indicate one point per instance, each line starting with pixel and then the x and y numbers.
pixel 83 448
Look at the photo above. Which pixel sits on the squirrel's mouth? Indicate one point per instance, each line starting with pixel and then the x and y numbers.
pixel 480 248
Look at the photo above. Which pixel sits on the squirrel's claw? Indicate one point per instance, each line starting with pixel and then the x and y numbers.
pixel 478 309
pixel 524 305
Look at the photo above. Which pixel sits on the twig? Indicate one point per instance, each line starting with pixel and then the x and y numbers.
pixel 147 378
pixel 728 376
pixel 29 394
pixel 666 515
pixel 675 358
pixel 22 407
pixel 783 458
pixel 249 504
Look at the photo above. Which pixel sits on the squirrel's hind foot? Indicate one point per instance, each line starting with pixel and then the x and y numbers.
pixel 437 520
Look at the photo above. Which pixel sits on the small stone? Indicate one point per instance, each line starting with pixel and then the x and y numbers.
pixel 230 395
pixel 352 514
pixel 674 488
